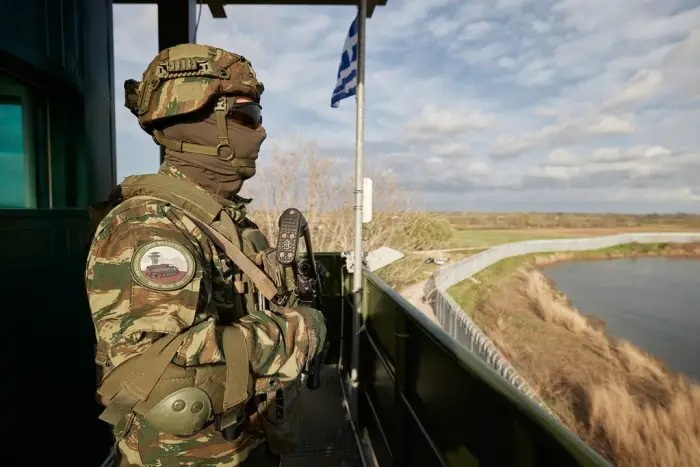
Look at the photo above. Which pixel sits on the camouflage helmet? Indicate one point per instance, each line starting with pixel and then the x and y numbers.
pixel 185 78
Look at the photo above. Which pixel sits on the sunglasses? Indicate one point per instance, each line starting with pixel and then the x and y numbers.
pixel 248 113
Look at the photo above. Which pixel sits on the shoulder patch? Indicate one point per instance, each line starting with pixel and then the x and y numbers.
pixel 163 265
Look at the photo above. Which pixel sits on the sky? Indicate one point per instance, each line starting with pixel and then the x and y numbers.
pixel 479 105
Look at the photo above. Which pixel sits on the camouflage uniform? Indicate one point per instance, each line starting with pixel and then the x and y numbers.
pixel 155 276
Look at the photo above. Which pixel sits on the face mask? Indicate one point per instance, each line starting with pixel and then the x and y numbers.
pixel 216 153
pixel 245 144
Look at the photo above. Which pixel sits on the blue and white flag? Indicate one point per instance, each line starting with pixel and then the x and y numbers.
pixel 347 71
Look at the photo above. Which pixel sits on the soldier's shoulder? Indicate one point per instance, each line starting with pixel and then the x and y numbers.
pixel 136 213
pixel 138 241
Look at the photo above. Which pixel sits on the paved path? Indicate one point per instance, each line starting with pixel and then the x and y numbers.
pixel 448 250
pixel 414 294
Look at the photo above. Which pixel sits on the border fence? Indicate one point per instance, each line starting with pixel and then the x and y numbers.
pixel 457 323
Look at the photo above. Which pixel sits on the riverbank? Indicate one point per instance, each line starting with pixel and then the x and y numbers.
pixel 469 293
pixel 620 400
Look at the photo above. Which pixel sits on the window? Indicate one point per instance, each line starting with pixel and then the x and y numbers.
pixel 17 145
pixel 13 160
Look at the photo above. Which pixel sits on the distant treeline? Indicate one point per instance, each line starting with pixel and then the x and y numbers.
pixel 540 220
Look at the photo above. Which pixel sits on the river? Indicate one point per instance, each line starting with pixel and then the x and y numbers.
pixel 652 302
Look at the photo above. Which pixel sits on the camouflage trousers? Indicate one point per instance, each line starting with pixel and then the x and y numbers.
pixel 144 446
pixel 258 457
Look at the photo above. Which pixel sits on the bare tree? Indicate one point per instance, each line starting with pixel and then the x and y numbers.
pixel 299 176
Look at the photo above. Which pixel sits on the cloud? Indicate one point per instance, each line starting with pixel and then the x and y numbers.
pixel 435 122
pixel 475 31
pixel 568 132
pixel 458 152
pixel 508 104
pixel 442 26
pixel 643 85
pixel 656 195
pixel 636 167
pixel 682 65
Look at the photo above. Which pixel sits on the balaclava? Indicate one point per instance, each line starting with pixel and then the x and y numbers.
pixel 221 174
pixel 183 100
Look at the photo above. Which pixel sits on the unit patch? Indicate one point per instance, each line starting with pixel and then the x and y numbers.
pixel 163 265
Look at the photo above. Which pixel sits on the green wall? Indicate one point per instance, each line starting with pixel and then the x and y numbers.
pixel 65 64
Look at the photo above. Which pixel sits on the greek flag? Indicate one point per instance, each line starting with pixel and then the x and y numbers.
pixel 347 71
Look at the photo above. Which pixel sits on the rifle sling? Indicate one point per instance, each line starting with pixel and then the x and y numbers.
pixel 258 276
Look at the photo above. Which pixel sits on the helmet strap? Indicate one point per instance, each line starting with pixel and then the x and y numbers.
pixel 221 110
pixel 224 150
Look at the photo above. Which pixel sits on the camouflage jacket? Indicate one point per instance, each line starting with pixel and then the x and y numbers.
pixel 147 276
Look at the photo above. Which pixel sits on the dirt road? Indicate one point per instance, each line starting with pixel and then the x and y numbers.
pixel 414 294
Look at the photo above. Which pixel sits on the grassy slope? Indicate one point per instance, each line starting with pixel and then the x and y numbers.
pixel 620 400
pixel 469 293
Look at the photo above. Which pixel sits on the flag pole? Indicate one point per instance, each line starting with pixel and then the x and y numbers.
pixel 359 160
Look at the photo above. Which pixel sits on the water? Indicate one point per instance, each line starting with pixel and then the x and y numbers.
pixel 652 302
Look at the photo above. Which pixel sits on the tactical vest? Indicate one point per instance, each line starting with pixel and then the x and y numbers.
pixel 179 400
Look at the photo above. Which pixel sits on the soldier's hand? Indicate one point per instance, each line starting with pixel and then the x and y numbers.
pixel 314 331
pixel 284 341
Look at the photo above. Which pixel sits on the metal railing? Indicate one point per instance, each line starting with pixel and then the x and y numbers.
pixel 426 400
pixel 457 323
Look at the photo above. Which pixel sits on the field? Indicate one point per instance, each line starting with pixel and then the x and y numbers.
pixel 488 229
pixel 573 221
pixel 470 233
pixel 491 237
pixel 617 398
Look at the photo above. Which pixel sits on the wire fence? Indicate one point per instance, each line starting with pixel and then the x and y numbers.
pixel 457 323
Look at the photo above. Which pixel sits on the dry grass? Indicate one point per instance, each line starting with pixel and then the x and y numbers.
pixel 489 229
pixel 571 221
pixel 472 237
pixel 618 399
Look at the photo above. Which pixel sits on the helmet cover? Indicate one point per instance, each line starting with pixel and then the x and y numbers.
pixel 185 78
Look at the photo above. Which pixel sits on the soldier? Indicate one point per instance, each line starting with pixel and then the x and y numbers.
pixel 200 347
